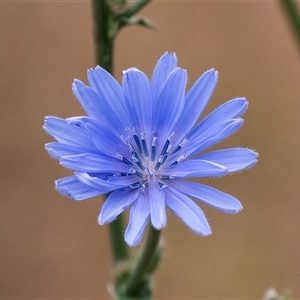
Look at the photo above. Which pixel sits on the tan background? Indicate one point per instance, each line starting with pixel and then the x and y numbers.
pixel 52 247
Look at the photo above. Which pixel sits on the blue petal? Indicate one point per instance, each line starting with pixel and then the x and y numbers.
pixel 231 109
pixel 196 168
pixel 213 135
pixel 196 100
pixel 164 67
pixel 169 105
pixel 66 133
pixel 157 204
pixel 101 135
pixel 189 212
pixel 88 162
pixel 115 204
pixel 57 150
pixel 105 186
pixel 138 220
pixel 233 159
pixel 208 195
pixel 109 89
pixel 137 94
pixel 124 180
pixel 96 107
pixel 217 135
pixel 71 187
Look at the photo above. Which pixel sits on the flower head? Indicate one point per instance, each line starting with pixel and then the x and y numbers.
pixel 140 143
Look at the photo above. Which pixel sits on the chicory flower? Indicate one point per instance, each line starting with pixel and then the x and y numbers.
pixel 140 143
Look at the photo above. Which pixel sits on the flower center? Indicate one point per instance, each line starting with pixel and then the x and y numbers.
pixel 145 161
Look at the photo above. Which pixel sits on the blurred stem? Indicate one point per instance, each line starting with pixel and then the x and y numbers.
pixel 138 270
pixel 291 9
pixel 104 44
pixel 118 245
pixel 134 8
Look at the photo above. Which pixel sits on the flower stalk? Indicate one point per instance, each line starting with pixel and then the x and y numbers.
pixel 104 41
pixel 140 268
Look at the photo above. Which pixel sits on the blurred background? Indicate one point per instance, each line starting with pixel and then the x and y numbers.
pixel 52 247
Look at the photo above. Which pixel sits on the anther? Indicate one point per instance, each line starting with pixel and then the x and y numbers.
pixel 159 162
pixel 143 138
pixel 121 157
pixel 135 185
pixel 181 158
pixel 135 158
pixel 117 175
pixel 136 139
pixel 166 154
pixel 180 145
pixel 166 177
pixel 131 171
pixel 153 148
pixel 162 185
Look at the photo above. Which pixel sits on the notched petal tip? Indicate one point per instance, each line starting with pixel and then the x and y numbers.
pixel 65 192
pixel 51 152
pixel 102 221
pixel 214 71
pixel 129 70
pixel 171 55
pixel 77 84
pixel 205 233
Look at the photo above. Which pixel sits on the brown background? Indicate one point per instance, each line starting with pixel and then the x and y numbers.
pixel 52 247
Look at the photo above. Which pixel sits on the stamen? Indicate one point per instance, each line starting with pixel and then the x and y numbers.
pixel 135 158
pixel 166 146
pixel 121 157
pixel 131 149
pixel 135 185
pixel 139 174
pixel 132 171
pixel 117 175
pixel 138 143
pixel 126 161
pixel 149 172
pixel 167 177
pixel 143 138
pixel 153 148
pixel 180 145
pixel 144 186
pixel 162 185
pixel 159 163
pixel 167 153
pixel 164 150
pixel 181 158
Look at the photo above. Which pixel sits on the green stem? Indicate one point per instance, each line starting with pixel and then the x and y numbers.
pixel 104 44
pixel 292 12
pixel 138 270
pixel 119 247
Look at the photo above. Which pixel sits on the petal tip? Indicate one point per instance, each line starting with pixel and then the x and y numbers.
pixel 100 221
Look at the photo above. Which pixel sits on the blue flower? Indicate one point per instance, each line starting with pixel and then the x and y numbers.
pixel 140 143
